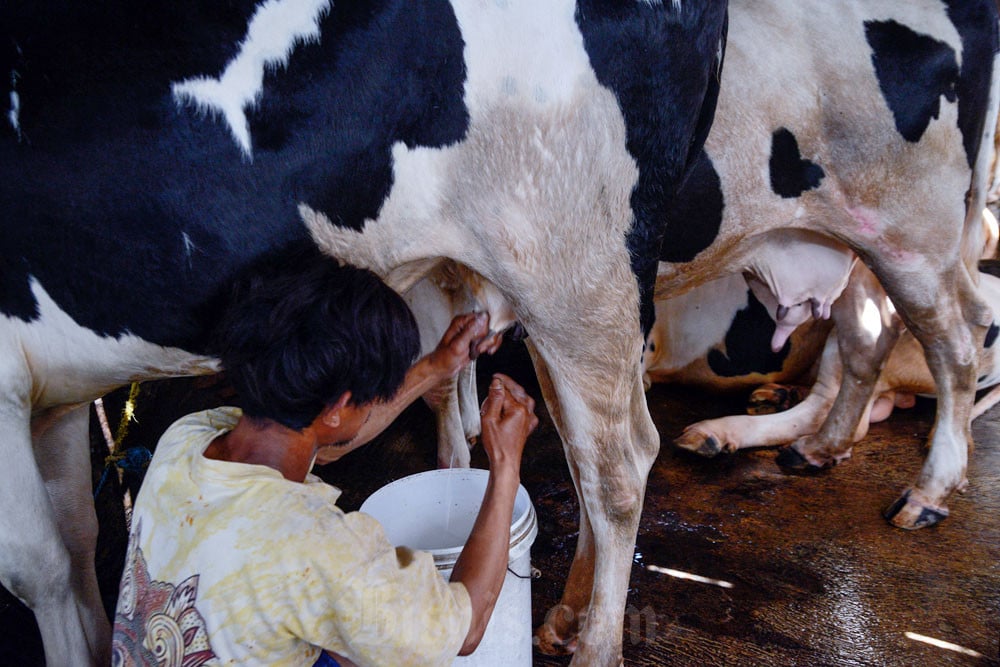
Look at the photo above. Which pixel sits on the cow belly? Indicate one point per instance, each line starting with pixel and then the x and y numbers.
pixel 717 335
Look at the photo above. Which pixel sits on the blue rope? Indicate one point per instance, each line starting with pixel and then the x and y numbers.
pixel 134 459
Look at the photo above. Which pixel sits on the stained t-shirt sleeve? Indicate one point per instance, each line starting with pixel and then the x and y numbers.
pixel 388 605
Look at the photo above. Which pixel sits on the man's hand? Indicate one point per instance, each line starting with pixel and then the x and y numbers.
pixel 465 339
pixel 508 417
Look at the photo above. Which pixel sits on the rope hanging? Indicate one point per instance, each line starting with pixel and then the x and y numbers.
pixel 133 458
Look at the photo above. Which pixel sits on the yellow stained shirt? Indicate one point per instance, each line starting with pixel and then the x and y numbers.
pixel 231 564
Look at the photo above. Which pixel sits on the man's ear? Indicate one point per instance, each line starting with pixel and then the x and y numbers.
pixel 331 413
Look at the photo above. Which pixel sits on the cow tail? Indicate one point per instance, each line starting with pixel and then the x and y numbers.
pixel 982 176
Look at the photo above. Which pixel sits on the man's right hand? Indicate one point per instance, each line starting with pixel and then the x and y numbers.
pixel 508 417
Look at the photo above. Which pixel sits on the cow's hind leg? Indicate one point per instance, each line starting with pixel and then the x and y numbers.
pixel 433 310
pixel 559 632
pixel 56 581
pixel 943 311
pixel 63 459
pixel 951 331
pixel 866 331
pixel 468 403
pixel 610 444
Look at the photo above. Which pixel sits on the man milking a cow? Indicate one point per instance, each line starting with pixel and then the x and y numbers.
pixel 237 555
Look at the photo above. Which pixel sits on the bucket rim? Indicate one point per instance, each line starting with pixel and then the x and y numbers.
pixel 523 528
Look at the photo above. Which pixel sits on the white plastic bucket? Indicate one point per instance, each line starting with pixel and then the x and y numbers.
pixel 434 512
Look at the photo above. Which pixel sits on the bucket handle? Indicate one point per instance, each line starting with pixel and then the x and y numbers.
pixel 534 573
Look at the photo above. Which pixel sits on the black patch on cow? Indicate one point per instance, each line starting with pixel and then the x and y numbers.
pixel 748 344
pixel 134 212
pixel 405 85
pixel 663 66
pixel 991 336
pixel 913 71
pixel 16 299
pixel 791 174
pixel 976 23
pixel 990 266
pixel 695 217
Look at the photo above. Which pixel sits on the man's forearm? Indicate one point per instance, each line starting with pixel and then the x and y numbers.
pixel 482 565
pixel 419 379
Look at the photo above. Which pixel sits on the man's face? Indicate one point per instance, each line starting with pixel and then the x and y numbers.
pixel 343 439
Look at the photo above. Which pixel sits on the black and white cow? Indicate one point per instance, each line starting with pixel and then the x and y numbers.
pixel 734 332
pixel 869 123
pixel 450 290
pixel 903 376
pixel 723 336
pixel 151 150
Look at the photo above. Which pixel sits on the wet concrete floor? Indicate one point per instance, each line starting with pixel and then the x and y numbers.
pixel 804 570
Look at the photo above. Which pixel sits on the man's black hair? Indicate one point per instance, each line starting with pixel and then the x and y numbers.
pixel 299 329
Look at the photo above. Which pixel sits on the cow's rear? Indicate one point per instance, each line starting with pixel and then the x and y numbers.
pixel 869 123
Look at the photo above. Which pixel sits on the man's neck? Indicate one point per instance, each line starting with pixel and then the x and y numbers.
pixel 269 444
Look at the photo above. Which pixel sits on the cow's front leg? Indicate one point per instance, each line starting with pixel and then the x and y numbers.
pixel 610 443
pixel 866 330
pixel 729 434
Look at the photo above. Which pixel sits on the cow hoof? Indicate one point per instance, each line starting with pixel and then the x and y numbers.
pixel 699 443
pixel 771 398
pixel 911 512
pixel 791 460
pixel 558 634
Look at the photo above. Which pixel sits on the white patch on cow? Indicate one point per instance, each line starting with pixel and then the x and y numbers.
pixel 532 51
pixel 689 325
pixel 72 364
pixel 276 28
pixel 544 121
pixel 14 115
pixel 871 319
pixel 509 86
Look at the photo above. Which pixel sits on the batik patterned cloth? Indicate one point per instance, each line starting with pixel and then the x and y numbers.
pixel 231 564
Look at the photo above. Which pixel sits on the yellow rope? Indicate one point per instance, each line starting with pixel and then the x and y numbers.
pixel 128 413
